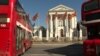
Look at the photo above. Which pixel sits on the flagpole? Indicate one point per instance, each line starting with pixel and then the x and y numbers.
pixel 37 22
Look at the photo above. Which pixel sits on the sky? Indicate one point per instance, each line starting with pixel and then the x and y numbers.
pixel 42 6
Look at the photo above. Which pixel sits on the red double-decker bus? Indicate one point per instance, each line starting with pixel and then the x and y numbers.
pixel 15 28
pixel 91 19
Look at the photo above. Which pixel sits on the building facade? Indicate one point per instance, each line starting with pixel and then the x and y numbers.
pixel 39 33
pixel 61 23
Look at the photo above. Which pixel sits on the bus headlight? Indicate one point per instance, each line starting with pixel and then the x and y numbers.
pixel 8 20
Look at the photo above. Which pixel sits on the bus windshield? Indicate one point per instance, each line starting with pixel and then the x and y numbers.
pixel 94 32
pixel 91 5
pixel 4 2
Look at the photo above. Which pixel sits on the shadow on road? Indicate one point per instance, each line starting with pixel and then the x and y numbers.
pixel 71 50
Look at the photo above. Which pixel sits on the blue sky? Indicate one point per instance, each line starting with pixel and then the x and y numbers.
pixel 42 7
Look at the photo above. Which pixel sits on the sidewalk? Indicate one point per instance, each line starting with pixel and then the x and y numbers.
pixel 56 43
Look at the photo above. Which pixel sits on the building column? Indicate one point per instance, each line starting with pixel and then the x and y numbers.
pixel 56 32
pixel 51 26
pixel 80 34
pixel 75 24
pixel 70 34
pixel 40 35
pixel 47 35
pixel 56 27
pixel 67 28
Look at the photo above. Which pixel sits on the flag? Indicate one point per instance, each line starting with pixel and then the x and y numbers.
pixel 35 16
pixel 27 16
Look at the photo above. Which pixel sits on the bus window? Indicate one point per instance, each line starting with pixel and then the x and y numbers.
pixel 91 5
pixel 23 34
pixel 19 38
pixel 94 32
pixel 30 36
pixel 94 16
pixel 4 2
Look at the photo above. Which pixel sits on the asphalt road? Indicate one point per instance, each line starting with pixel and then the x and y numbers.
pixel 62 49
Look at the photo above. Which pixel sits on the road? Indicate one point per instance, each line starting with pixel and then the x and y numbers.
pixel 68 49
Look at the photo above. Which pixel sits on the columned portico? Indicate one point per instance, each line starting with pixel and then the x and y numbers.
pixel 62 22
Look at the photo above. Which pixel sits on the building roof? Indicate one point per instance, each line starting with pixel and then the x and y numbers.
pixel 61 8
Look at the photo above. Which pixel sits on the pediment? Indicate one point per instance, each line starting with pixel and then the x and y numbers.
pixel 61 8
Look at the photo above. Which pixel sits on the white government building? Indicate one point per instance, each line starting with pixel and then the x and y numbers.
pixel 62 23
